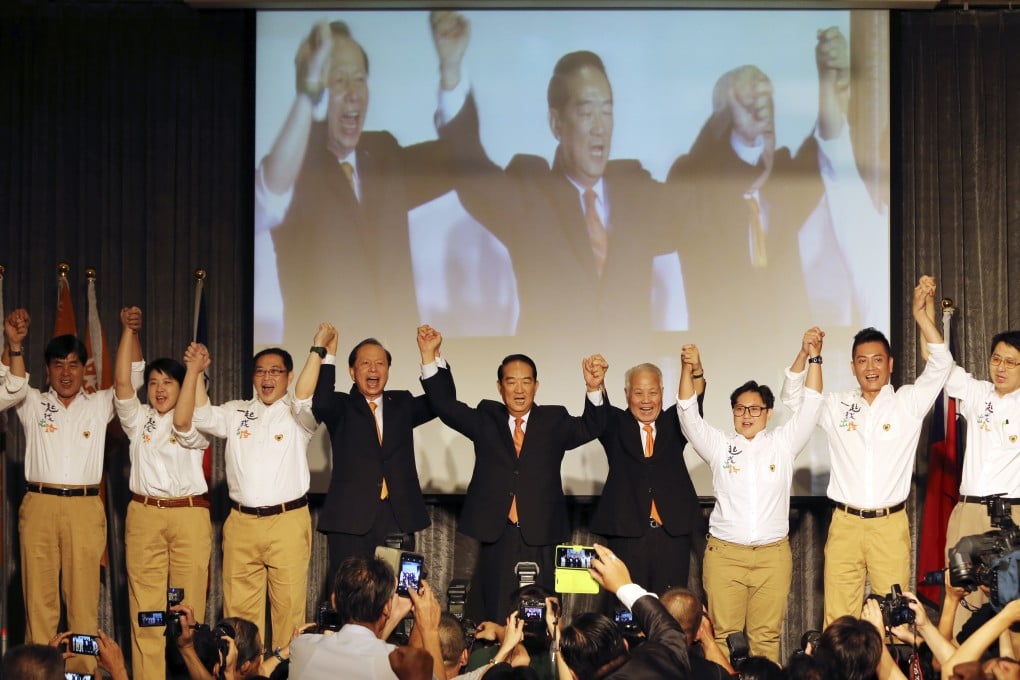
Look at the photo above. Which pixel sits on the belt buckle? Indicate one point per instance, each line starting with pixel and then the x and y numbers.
pixel 159 503
pixel 653 524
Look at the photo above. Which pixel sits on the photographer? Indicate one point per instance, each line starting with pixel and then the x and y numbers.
pixel 922 627
pixel 707 659
pixel 233 649
pixel 110 658
pixel 974 646
pixel 537 636
pixel 455 649
pixel 593 647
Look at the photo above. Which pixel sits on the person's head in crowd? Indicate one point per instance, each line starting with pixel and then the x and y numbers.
pixel 248 642
pixel 65 357
pixel 872 361
pixel 804 667
pixel 33 662
pixel 849 649
pixel 752 407
pixel 536 634
pixel 163 378
pixel 347 89
pixel 363 591
pixel 1004 362
pixel 211 649
pixel 742 105
pixel 593 646
pixel 760 668
pixel 507 672
pixel 369 364
pixel 272 374
pixel 453 644
pixel 411 663
pixel 644 392
pixel 809 641
pixel 517 381
pixel 1002 668
pixel 581 115
pixel 685 607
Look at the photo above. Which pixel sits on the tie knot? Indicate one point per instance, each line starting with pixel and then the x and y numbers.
pixel 519 421
pixel 589 199
pixel 372 406
pixel 648 428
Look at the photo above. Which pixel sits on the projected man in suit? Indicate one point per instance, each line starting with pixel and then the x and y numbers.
pixel 336 197
pixel 648 508
pixel 514 504
pixel 584 230
pixel 374 490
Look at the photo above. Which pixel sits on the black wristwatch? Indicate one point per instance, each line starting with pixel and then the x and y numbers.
pixel 815 360
pixel 321 351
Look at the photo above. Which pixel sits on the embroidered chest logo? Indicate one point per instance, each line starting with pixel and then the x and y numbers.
pixel 244 429
pixel 985 419
pixel 849 420
pixel 48 421
pixel 148 430
pixel 730 464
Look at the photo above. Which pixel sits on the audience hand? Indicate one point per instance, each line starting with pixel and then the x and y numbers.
pixel 608 570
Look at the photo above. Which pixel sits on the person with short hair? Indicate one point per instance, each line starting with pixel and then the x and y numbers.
pixel 872 432
pixel 32 661
pixel 267 537
pixel 707 660
pixel 748 563
pixel 168 533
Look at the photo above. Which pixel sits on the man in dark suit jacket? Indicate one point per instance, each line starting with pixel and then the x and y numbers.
pixel 374 491
pixel 599 258
pixel 514 504
pixel 592 646
pixel 336 198
pixel 648 509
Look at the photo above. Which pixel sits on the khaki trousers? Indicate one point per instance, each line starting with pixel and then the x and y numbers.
pixel 877 548
pixel 269 551
pixel 164 547
pixel 62 542
pixel 747 588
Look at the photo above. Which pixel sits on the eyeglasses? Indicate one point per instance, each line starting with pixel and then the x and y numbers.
pixel 1009 362
pixel 273 372
pixel 753 411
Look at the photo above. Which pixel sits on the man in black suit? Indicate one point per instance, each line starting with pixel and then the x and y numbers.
pixel 514 504
pixel 336 197
pixel 648 509
pixel 592 646
pixel 374 491
pixel 587 228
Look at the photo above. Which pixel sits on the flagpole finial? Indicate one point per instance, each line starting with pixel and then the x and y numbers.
pixel 200 275
pixel 947 305
pixel 63 269
pixel 90 274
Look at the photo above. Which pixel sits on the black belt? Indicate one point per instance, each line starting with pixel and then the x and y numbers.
pixel 513 523
pixel 270 510
pixel 985 500
pixel 870 514
pixel 66 492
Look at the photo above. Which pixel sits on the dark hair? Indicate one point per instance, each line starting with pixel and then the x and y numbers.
pixel 168 367
pixel 362 587
pixel 524 358
pixel 592 646
pixel 804 667
pixel 245 639
pixel 288 361
pixel 762 391
pixel 340 29
pixel 849 649
pixel 33 662
pixel 1011 338
pixel 506 672
pixel 534 591
pixel 353 356
pixel 870 334
pixel 210 649
pixel 760 668
pixel 452 642
pixel 569 64
pixel 63 346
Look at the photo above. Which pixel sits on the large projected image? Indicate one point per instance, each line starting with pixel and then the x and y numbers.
pixel 738 163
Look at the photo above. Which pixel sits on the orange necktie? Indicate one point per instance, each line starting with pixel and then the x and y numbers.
pixel 518 443
pixel 348 170
pixel 649 449
pixel 759 257
pixel 596 231
pixel 384 492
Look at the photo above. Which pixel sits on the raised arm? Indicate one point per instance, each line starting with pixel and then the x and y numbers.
pixel 429 342
pixel 15 331
pixel 325 337
pixel 832 56
pixel 193 394
pixel 811 345
pixel 451 33
pixel 690 361
pixel 128 351
pixel 923 293
pixel 974 646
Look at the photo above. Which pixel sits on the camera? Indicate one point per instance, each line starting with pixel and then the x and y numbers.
pixel 456 601
pixel 83 644
pixel 172 620
pixel 532 613
pixel 740 651
pixel 624 619
pixel 326 618
pixel 410 575
pixel 991 559
pixel 895 608
pixel 78 676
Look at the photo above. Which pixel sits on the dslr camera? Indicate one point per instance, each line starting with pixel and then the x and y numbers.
pixel 991 559
pixel 895 608
pixel 172 620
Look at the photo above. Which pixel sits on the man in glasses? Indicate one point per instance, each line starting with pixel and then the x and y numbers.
pixel 267 537
pixel 873 433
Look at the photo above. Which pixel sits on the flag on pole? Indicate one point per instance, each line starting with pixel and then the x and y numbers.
pixel 98 370
pixel 65 323
pixel 200 334
pixel 945 463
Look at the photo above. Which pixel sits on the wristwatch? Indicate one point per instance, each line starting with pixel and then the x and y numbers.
pixel 815 360
pixel 15 352
pixel 321 351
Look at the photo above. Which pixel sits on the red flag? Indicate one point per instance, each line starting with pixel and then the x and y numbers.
pixel 98 370
pixel 65 323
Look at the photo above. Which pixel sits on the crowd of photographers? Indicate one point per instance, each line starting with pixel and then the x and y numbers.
pixel 368 630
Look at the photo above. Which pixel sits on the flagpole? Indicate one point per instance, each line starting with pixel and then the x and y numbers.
pixel 199 284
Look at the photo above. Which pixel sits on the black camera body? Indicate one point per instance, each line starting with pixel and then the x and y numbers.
pixel 327 618
pixel 988 559
pixel 895 608
pixel 532 613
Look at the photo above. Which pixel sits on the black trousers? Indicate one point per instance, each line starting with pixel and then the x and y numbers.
pixel 342 546
pixel 494 579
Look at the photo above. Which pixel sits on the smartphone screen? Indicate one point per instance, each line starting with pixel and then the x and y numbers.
pixel 574 557
pixel 409 577
pixel 84 644
pixel 149 619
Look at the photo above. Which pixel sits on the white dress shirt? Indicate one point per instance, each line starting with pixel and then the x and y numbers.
pixel 751 477
pixel 992 463
pixel 267 447
pixel 352 653
pixel 12 388
pixel 872 446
